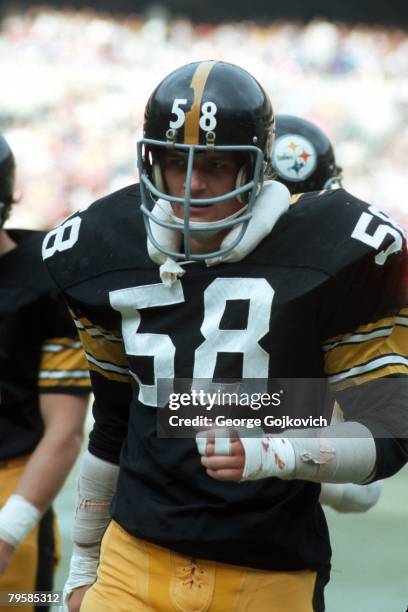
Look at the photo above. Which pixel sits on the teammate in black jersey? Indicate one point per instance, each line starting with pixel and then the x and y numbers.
pixel 44 390
pixel 234 290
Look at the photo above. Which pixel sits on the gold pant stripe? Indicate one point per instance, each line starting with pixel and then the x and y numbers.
pixel 137 576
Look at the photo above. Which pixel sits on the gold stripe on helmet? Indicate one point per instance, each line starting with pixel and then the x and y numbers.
pixel 191 126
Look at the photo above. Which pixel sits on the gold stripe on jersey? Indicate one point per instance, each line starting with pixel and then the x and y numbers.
pixel 381 328
pixel 104 350
pixel 295 198
pixel 198 82
pixel 63 364
pixel 372 351
pixel 93 330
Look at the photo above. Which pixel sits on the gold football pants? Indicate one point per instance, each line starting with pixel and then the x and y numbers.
pixel 135 575
pixel 35 557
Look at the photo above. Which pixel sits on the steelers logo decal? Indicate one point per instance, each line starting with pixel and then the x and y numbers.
pixel 294 157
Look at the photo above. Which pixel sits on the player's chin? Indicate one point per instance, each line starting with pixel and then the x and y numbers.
pixel 201 213
pixel 225 475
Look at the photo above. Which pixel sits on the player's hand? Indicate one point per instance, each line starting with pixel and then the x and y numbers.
pixel 231 455
pixel 219 465
pixel 75 599
pixel 6 552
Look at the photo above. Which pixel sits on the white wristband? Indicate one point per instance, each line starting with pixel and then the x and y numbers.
pixel 17 519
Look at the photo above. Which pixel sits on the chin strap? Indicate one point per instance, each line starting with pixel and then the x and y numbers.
pixel 273 201
pixel 169 269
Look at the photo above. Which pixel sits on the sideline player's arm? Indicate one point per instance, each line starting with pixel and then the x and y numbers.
pixel 50 463
pixel 63 394
pixel 63 416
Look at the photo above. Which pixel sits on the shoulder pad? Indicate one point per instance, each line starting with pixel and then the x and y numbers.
pixel 109 235
pixel 331 230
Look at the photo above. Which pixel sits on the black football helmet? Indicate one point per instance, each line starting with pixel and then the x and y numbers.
pixel 203 107
pixel 303 156
pixel 7 174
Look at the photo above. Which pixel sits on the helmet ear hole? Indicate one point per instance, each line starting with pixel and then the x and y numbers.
pixel 243 178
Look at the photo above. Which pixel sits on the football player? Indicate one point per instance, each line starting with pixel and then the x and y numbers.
pixel 233 287
pixel 44 391
pixel 303 160
pixel 303 156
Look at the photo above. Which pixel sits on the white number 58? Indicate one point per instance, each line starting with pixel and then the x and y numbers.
pixel 207 122
pixel 179 112
pixel 383 230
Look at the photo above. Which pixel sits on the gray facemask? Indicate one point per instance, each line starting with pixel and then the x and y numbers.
pixel 193 229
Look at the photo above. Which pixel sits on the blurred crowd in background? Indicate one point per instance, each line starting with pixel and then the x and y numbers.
pixel 74 86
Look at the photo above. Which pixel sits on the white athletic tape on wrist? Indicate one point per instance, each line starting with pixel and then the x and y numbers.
pixel 82 571
pixel 268 456
pixel 264 455
pixel 17 519
pixel 96 487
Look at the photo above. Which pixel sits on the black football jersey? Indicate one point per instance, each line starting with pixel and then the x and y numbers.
pixel 320 299
pixel 40 351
